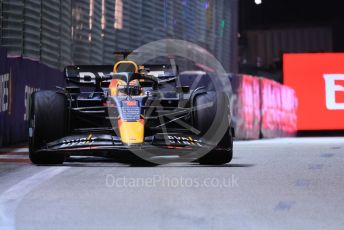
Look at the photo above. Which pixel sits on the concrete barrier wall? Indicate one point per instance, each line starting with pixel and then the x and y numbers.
pixel 246 106
pixel 278 109
pixel 263 108
pixel 20 77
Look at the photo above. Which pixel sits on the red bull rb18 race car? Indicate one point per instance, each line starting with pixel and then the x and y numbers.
pixel 129 108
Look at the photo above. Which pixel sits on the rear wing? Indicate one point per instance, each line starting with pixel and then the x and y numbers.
pixel 162 71
pixel 88 74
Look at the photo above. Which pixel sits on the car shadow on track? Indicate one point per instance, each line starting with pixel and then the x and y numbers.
pixel 112 162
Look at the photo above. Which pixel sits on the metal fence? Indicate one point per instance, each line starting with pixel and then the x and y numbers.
pixel 37 29
pixel 61 32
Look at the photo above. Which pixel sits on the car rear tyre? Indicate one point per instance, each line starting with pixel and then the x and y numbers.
pixel 223 152
pixel 46 124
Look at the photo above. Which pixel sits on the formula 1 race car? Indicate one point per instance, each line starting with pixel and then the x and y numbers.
pixel 130 108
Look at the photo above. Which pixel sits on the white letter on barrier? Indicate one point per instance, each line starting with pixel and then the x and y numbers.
pixel 331 89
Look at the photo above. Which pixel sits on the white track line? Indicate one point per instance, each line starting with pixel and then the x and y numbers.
pixel 294 141
pixel 15 157
pixel 10 199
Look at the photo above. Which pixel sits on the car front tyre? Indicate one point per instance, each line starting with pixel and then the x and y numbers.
pixel 223 152
pixel 47 122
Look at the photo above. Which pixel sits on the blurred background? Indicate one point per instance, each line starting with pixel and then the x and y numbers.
pixel 64 32
pixel 269 28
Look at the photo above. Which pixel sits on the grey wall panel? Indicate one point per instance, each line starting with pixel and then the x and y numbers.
pixel 65 33
pixel 37 29
pixel 62 32
pixel 81 32
pixel 268 45
pixel 96 44
pixel 12 33
pixel 32 29
pixel 109 39
pixel 50 35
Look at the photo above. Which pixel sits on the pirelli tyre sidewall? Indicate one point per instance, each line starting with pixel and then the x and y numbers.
pixel 204 116
pixel 47 122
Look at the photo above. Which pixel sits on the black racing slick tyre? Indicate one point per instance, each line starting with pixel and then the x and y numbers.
pixel 223 152
pixel 47 122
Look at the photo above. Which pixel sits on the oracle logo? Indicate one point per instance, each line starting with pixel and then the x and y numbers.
pixel 318 80
pixel 89 77
pixel 331 88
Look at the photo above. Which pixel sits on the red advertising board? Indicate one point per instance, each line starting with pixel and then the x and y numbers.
pixel 318 79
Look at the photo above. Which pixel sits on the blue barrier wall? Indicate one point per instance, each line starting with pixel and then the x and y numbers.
pixel 19 77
